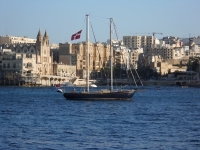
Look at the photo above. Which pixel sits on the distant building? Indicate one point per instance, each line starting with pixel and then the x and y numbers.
pixel 54 49
pixel 15 40
pixel 26 60
pixel 145 42
pixel 135 57
pixel 173 41
pixel 76 53
pixel 121 55
pixel 62 70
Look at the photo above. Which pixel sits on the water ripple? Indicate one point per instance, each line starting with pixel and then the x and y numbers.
pixel 40 118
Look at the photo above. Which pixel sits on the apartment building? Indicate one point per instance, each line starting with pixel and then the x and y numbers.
pixel 121 57
pixel 135 57
pixel 145 42
pixel 173 41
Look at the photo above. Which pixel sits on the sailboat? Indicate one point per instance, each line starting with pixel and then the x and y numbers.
pixel 105 94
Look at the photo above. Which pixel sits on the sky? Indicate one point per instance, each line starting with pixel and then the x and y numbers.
pixel 62 18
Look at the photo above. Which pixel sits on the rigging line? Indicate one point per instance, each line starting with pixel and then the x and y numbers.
pixel 93 32
pixel 100 17
pixel 130 71
pixel 137 75
pixel 133 77
pixel 115 27
pixel 101 21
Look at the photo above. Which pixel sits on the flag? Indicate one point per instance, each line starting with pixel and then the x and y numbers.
pixel 76 35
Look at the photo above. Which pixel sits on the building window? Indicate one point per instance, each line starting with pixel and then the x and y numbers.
pixel 29 65
pixel 14 65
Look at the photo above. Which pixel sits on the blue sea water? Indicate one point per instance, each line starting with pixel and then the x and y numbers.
pixel 40 118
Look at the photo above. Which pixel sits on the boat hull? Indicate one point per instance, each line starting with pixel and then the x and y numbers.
pixel 125 95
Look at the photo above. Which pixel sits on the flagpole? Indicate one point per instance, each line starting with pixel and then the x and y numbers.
pixel 87 57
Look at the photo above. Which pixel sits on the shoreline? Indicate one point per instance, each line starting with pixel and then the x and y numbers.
pixel 145 83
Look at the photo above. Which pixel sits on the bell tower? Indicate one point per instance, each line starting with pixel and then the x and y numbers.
pixel 39 38
pixel 39 45
pixel 46 39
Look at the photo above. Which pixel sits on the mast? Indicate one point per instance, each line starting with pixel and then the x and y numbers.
pixel 111 57
pixel 87 53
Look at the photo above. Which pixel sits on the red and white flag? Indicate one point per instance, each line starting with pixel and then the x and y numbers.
pixel 76 35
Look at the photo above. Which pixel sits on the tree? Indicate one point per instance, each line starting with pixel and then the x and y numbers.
pixel 195 65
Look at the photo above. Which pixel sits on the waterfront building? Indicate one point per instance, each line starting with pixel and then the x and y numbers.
pixel 28 61
pixel 31 63
pixel 165 66
pixel 170 57
pixel 75 54
pixel 63 70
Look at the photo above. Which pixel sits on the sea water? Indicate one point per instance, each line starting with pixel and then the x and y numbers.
pixel 157 118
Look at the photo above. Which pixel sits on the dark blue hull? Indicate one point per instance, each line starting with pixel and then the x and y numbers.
pixel 121 95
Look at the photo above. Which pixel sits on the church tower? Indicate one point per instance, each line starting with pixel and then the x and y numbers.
pixel 38 47
pixel 39 38
pixel 46 39
pixel 43 55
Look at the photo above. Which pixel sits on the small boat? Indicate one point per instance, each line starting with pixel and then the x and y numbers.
pixel 59 90
pixel 184 86
pixel 93 85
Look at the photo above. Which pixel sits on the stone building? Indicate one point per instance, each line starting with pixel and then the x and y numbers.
pixel 63 70
pixel 35 54
pixel 76 54
pixel 27 61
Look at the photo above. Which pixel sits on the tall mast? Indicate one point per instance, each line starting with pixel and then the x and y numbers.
pixel 87 53
pixel 111 57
